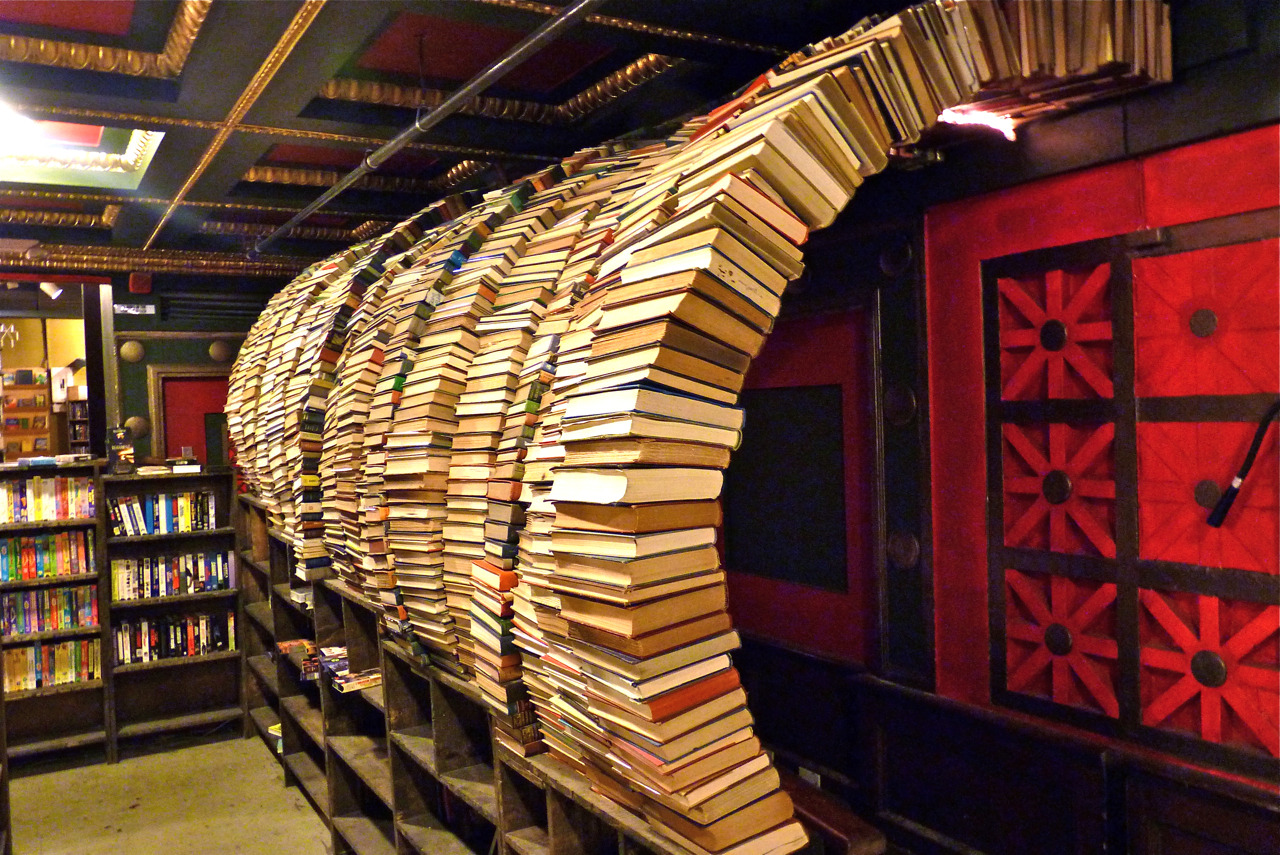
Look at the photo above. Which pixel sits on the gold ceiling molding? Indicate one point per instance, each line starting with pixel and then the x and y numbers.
pixel 640 27
pixel 71 258
pixel 261 78
pixel 458 174
pixel 142 145
pixel 218 227
pixel 329 177
pixel 592 98
pixel 60 219
pixel 112 198
pixel 167 64
pixel 137 120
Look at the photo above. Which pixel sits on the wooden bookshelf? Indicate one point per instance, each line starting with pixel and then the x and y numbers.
pixel 202 689
pixel 27 427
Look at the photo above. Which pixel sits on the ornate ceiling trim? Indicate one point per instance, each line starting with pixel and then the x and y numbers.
pixel 458 174
pixel 142 145
pixel 167 64
pixel 329 177
pixel 640 27
pixel 60 219
pixel 292 35
pixel 218 227
pixel 71 258
pixel 583 104
pixel 186 203
pixel 137 120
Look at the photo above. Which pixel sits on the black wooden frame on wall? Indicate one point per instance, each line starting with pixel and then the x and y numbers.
pixel 1113 592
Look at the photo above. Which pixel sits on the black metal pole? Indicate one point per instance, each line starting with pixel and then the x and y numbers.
pixel 528 46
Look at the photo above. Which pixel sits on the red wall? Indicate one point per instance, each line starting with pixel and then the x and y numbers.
pixel 1217 178
pixel 186 402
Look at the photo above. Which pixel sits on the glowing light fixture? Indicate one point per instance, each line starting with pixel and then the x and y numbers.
pixel 1003 124
pixel 51 290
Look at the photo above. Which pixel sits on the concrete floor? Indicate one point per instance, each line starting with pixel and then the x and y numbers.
pixel 223 798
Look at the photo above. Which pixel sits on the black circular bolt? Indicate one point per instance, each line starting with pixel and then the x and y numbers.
pixel 895 257
pixel 1203 323
pixel 1207 494
pixel 1209 669
pixel 1056 487
pixel 1053 335
pixel 1058 639
pixel 903 549
pixel 899 405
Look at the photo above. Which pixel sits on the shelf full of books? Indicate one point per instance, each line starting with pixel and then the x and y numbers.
pixel 174 618
pixel 27 412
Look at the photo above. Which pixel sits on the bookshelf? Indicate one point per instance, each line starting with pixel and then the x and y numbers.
pixel 28 413
pixel 51 541
pixel 174 610
pixel 6 843
pixel 78 427
pixel 410 767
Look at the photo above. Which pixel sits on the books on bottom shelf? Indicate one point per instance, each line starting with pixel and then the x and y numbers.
pixel 39 666
pixel 149 639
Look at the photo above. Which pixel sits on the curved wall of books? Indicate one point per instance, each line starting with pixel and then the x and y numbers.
pixel 507 421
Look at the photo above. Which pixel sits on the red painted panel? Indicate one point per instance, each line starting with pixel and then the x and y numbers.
pixel 1075 363
pixel 1077 520
pixel 89 16
pixel 1173 459
pixel 320 157
pixel 1225 176
pixel 186 402
pixel 459 50
pixel 1187 638
pixel 829 349
pixel 1078 667
pixel 71 133
pixel 1237 349
pixel 1060 210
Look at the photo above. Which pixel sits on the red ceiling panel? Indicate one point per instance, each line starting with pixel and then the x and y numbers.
pixel 404 163
pixel 69 133
pixel 41 204
pixel 459 50
pixel 112 18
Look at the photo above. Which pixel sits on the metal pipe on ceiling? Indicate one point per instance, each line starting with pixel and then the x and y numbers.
pixel 526 48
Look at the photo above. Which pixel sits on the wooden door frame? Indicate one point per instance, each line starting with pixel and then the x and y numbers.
pixel 156 375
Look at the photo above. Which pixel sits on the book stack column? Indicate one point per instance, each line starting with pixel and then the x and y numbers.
pixel 174 613
pixel 54 607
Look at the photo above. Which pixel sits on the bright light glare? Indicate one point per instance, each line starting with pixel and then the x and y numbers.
pixel 18 133
pixel 1003 124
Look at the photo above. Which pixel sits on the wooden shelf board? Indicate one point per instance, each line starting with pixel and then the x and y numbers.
pixel 264 717
pixel 312 780
pixel 204 718
pixel 124 540
pixel 178 661
pixel 418 743
pixel 367 757
pixel 260 613
pixel 265 670
pixel 307 717
pixel 252 501
pixel 280 536
pixel 259 567
pixel 462 687
pixel 47 691
pixel 10 471
pixel 68 632
pixel 374 696
pixel 366 836
pixel 345 591
pixel 58 743
pixel 475 786
pixel 29 525
pixel 48 581
pixel 529 841
pixel 135 478
pixel 428 837
pixel 421 668
pixel 282 591
pixel 172 599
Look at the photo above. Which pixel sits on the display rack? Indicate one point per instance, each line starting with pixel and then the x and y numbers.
pixel 78 427
pixel 410 767
pixel 28 414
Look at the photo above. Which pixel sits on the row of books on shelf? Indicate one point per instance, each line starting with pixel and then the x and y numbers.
pixel 39 666
pixel 44 498
pixel 48 609
pixel 26 422
pixel 43 556
pixel 25 377
pixel 333 661
pixel 173 636
pixel 164 513
pixel 168 575
pixel 308 654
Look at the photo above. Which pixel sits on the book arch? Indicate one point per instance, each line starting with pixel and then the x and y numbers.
pixel 505 421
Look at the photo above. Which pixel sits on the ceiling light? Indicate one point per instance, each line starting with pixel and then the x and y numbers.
pixel 51 290
pixel 21 133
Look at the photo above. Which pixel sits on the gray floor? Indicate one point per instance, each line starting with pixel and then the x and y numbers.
pixel 225 797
